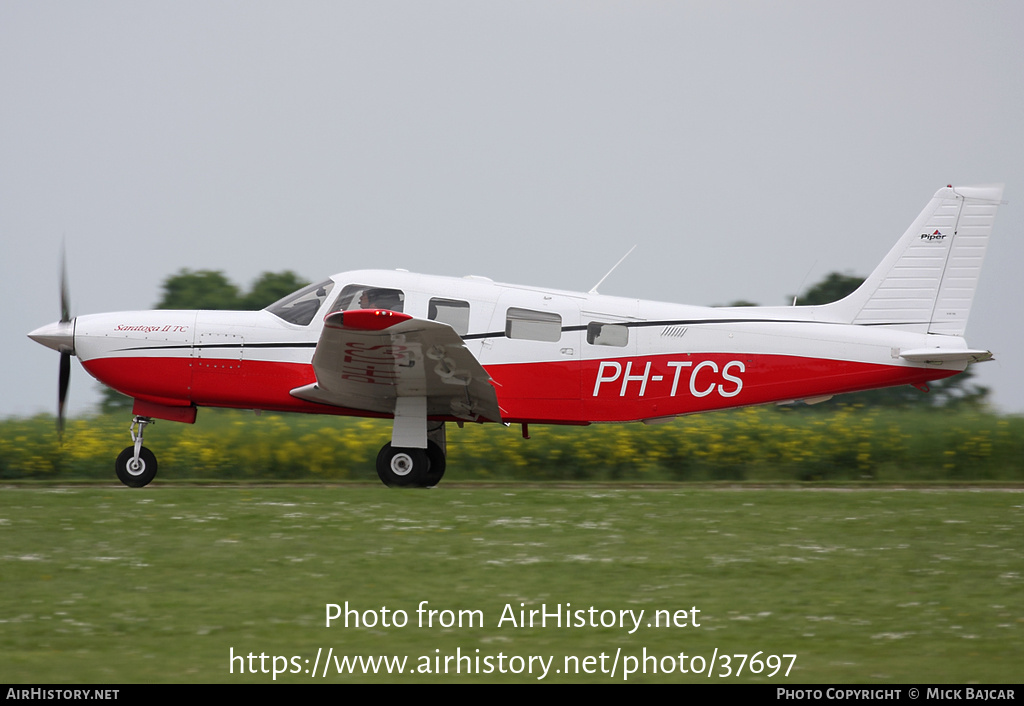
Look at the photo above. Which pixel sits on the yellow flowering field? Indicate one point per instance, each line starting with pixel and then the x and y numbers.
pixel 755 444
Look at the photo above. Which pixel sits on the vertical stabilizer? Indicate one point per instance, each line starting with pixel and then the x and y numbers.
pixel 927 281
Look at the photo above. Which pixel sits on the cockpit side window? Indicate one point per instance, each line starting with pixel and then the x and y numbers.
pixel 300 307
pixel 361 296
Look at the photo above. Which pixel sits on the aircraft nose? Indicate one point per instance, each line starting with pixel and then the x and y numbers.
pixel 60 336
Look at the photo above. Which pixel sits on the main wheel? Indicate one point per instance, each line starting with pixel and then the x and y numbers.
pixel 136 474
pixel 437 465
pixel 402 467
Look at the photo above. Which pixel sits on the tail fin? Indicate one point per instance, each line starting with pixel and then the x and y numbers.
pixel 927 281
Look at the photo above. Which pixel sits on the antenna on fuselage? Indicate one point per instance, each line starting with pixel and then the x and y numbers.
pixel 601 281
pixel 804 281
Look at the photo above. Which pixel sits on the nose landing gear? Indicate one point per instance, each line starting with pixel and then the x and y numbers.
pixel 136 465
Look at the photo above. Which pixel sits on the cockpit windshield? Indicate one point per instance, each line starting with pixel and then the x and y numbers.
pixel 300 307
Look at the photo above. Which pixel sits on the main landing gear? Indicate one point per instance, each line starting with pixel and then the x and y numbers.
pixel 136 465
pixel 408 467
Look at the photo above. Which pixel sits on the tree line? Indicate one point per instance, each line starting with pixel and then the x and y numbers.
pixel 211 289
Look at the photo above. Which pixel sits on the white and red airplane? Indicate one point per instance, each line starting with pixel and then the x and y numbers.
pixel 425 350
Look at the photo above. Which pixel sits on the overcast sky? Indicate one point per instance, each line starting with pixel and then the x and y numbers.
pixel 747 148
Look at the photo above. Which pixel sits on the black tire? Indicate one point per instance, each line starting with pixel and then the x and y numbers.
pixel 402 468
pixel 435 472
pixel 136 476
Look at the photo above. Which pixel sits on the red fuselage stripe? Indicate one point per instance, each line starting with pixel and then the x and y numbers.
pixel 570 392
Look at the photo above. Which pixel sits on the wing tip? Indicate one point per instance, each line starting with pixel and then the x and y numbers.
pixel 365 319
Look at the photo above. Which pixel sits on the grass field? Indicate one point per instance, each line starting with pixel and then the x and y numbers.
pixel 107 584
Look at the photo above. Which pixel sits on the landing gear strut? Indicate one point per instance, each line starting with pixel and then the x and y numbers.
pixel 136 465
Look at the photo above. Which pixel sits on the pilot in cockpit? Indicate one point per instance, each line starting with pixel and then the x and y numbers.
pixel 381 299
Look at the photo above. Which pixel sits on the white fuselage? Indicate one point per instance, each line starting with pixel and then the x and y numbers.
pixel 553 356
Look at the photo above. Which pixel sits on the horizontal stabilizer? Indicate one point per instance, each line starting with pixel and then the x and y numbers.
pixel 941 356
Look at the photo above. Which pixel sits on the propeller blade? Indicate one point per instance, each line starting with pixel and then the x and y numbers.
pixel 62 388
pixel 65 301
pixel 64 377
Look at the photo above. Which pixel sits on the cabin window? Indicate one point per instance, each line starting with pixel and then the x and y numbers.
pixel 453 312
pixel 300 307
pixel 533 325
pixel 362 296
pixel 600 334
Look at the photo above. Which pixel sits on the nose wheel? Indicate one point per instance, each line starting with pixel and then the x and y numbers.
pixel 136 465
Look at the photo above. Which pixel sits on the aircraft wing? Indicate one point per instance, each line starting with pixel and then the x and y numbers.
pixel 368 359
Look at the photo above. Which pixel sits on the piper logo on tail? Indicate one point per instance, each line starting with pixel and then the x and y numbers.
pixel 933 236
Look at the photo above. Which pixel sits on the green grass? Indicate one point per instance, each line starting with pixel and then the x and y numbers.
pixel 107 584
